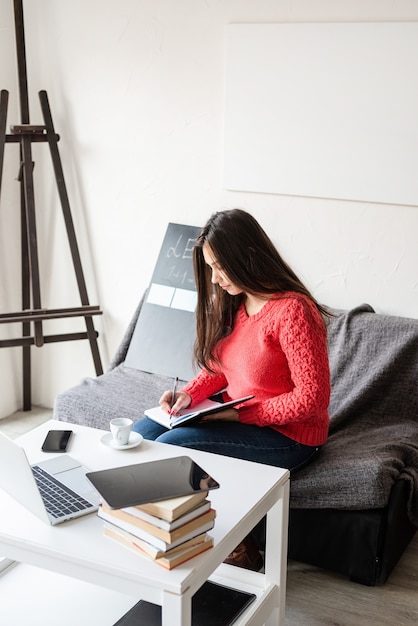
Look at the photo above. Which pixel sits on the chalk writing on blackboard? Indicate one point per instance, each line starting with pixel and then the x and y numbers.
pixel 174 266
pixel 181 249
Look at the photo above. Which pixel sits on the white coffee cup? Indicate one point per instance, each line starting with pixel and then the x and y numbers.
pixel 121 428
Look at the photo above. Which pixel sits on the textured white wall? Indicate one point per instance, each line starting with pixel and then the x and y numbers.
pixel 136 89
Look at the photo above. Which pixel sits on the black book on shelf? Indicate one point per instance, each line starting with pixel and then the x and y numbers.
pixel 212 605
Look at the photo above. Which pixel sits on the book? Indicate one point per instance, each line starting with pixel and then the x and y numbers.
pixel 198 510
pixel 169 562
pixel 173 508
pixel 169 559
pixel 125 520
pixel 187 416
pixel 151 538
pixel 150 551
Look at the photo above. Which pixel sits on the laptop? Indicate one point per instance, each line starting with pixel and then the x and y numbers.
pixel 55 490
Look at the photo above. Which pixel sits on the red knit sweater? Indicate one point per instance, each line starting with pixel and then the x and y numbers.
pixel 279 355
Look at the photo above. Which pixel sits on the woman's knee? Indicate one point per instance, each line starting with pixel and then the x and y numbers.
pixel 148 428
pixel 174 437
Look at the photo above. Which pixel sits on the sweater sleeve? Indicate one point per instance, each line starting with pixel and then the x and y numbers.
pixel 203 385
pixel 302 337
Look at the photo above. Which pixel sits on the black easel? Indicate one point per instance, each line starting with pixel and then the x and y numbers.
pixel 32 311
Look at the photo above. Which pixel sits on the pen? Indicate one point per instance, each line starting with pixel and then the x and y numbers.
pixel 173 394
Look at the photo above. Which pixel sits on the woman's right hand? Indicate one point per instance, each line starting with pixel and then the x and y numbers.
pixel 182 401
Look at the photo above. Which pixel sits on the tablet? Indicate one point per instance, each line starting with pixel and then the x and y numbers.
pixel 130 485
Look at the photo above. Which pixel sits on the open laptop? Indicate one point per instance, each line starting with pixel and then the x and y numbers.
pixel 66 492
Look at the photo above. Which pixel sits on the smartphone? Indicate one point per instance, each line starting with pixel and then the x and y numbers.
pixel 56 441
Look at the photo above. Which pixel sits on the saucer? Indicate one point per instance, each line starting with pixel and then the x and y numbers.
pixel 134 440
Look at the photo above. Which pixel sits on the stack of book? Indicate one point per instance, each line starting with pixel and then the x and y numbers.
pixel 169 532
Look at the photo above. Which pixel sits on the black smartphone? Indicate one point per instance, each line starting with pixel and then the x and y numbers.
pixel 56 441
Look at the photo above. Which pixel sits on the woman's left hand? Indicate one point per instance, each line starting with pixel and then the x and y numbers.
pixel 228 415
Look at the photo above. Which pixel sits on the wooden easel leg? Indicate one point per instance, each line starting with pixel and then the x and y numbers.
pixel 26 301
pixel 26 355
pixel 24 109
pixel 4 99
pixel 69 224
pixel 29 200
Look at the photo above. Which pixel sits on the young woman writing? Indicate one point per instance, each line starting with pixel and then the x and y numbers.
pixel 258 331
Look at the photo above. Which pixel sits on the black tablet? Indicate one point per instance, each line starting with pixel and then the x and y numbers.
pixel 152 481
pixel 212 605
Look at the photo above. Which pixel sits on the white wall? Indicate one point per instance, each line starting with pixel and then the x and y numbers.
pixel 136 89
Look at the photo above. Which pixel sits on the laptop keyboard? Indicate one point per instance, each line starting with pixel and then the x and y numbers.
pixel 59 500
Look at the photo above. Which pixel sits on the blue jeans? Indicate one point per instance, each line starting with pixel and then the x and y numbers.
pixel 242 441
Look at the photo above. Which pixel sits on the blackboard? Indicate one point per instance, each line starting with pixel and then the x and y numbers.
pixel 174 264
pixel 162 342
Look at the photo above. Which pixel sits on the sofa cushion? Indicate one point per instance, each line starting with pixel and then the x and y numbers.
pixel 121 392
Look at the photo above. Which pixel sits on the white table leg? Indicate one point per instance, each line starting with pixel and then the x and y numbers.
pixel 176 610
pixel 276 552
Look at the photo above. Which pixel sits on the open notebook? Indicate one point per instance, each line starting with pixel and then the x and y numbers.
pixel 188 416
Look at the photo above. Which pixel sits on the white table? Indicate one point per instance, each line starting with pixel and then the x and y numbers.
pixel 80 550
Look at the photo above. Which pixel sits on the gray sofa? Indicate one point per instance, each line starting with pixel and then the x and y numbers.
pixel 355 508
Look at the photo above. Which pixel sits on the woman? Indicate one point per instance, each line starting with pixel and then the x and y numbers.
pixel 259 331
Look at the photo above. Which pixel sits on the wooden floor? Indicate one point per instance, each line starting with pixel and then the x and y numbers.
pixel 319 598
pixel 316 597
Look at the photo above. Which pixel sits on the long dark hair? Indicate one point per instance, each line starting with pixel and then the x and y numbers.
pixel 248 257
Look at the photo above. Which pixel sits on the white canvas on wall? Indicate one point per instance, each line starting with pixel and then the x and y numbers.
pixel 324 110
